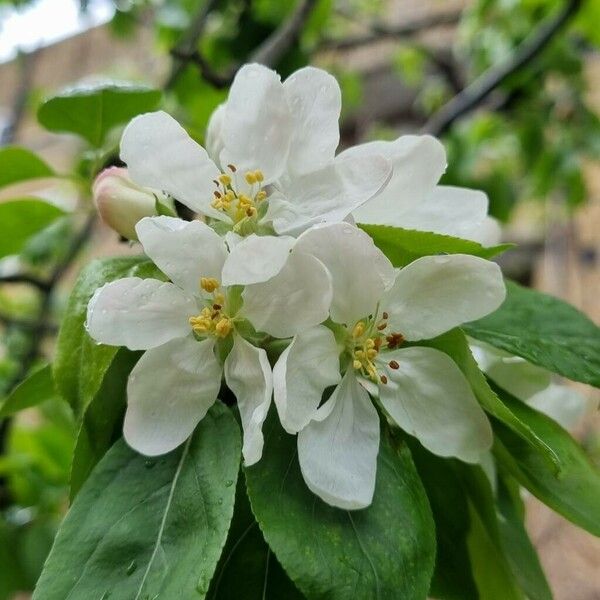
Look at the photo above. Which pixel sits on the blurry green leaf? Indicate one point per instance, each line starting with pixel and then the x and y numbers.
pixel 19 164
pixel 142 528
pixel 102 420
pixel 491 569
pixel 20 219
pixel 410 62
pixel 91 112
pixel 402 246
pixel 246 557
pixel 332 553
pixel 455 345
pixel 452 578
pixel 544 330
pixel 575 491
pixel 37 388
pixel 80 362
pixel 520 552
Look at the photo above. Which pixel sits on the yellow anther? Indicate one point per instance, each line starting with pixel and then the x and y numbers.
pixel 223 327
pixel 261 196
pixel 372 353
pixel 357 364
pixel 219 299
pixel 370 343
pixel 358 330
pixel 225 179
pixel 250 177
pixel 359 354
pixel 244 201
pixel 209 284
pixel 258 175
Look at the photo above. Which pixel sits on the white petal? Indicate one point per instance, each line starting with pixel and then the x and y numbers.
pixel 359 271
pixel 183 250
pixel 315 102
pixel 455 211
pixel 512 373
pixel 430 398
pixel 305 368
pixel 256 258
pixel 489 232
pixel 160 154
pixel 248 375
pixel 338 454
pixel 298 297
pixel 257 125
pixel 563 404
pixel 418 162
pixel 214 138
pixel 169 391
pixel 139 313
pixel 433 294
pixel 330 194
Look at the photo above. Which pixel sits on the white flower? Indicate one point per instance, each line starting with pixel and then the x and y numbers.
pixel 182 326
pixel 375 309
pixel 271 155
pixel 121 203
pixel 532 385
pixel 413 200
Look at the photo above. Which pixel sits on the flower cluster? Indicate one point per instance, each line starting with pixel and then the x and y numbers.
pixel 275 259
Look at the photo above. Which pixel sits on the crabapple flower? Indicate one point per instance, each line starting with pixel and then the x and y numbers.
pixel 413 200
pixel 532 384
pixel 121 203
pixel 183 326
pixel 374 311
pixel 271 156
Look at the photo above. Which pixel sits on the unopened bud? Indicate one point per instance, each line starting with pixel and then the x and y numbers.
pixel 121 203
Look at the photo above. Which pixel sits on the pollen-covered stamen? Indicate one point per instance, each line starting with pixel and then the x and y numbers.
pixel 236 204
pixel 367 339
pixel 212 320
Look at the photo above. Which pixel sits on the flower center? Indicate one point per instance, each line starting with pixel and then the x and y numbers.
pixel 237 205
pixel 212 320
pixel 365 343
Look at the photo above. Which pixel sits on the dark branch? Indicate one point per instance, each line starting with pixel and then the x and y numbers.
pixel 26 279
pixel 268 53
pixel 380 31
pixel 189 42
pixel 483 86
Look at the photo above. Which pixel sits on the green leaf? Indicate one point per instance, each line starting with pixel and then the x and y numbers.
pixel 147 528
pixel 575 491
pixel 103 419
pixel 20 164
pixel 80 362
pixel 384 551
pixel 452 578
pixel 455 345
pixel 402 246
pixel 91 112
pixel 518 549
pixel 37 388
pixel 247 558
pixel 491 568
pixel 544 330
pixel 22 218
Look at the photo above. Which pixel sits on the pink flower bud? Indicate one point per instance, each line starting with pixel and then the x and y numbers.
pixel 121 203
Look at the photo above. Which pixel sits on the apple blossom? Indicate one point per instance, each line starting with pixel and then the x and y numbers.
pixel 413 200
pixel 374 311
pixel 270 160
pixel 532 384
pixel 121 203
pixel 182 326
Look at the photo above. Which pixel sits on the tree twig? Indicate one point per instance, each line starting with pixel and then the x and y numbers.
pixel 26 279
pixel 379 31
pixel 189 42
pixel 268 53
pixel 483 86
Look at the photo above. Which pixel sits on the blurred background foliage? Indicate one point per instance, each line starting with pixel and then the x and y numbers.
pixel 505 83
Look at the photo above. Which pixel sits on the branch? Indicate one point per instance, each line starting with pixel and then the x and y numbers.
pixel 189 42
pixel 268 53
pixel 484 85
pixel 26 279
pixel 379 31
